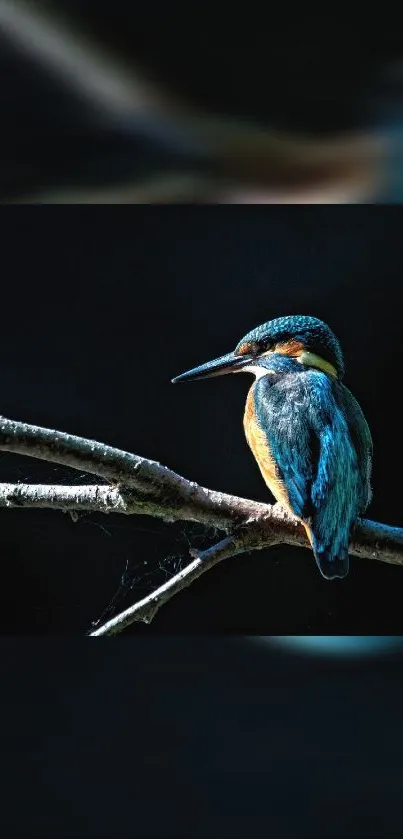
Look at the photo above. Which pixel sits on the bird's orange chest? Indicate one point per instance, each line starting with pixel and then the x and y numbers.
pixel 259 445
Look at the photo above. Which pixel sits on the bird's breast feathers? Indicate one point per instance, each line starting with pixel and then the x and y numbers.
pixel 259 445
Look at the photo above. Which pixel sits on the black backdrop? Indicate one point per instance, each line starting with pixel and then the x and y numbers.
pixel 101 307
pixel 310 82
pixel 197 738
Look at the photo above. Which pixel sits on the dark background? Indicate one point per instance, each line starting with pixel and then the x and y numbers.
pixel 190 737
pixel 101 308
pixel 197 738
pixel 314 81
pixel 295 80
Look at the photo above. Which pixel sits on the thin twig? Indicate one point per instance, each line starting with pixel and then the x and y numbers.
pixel 146 609
pixel 387 547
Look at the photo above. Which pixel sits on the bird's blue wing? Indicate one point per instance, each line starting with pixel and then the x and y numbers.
pixel 361 437
pixel 309 438
pixel 337 488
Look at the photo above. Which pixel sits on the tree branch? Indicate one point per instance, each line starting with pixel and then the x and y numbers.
pixel 147 608
pixel 158 490
pixel 144 487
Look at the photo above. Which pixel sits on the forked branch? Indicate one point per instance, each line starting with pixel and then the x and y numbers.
pixel 141 486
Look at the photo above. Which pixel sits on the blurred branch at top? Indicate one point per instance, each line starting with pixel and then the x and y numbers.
pixel 116 104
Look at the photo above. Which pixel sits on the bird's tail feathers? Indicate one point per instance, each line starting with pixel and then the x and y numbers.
pixel 333 564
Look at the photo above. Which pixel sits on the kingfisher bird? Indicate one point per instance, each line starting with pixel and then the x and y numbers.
pixel 306 431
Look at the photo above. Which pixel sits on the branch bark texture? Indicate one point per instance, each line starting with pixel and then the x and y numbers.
pixel 137 485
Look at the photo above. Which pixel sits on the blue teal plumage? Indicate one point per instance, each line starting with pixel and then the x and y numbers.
pixel 306 430
pixel 321 445
pixel 311 332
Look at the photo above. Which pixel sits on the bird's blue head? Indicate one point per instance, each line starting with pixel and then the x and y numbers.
pixel 301 337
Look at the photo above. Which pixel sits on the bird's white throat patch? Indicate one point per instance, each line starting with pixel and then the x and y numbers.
pixel 257 370
pixel 308 359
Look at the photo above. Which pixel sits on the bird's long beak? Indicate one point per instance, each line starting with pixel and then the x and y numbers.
pixel 230 363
